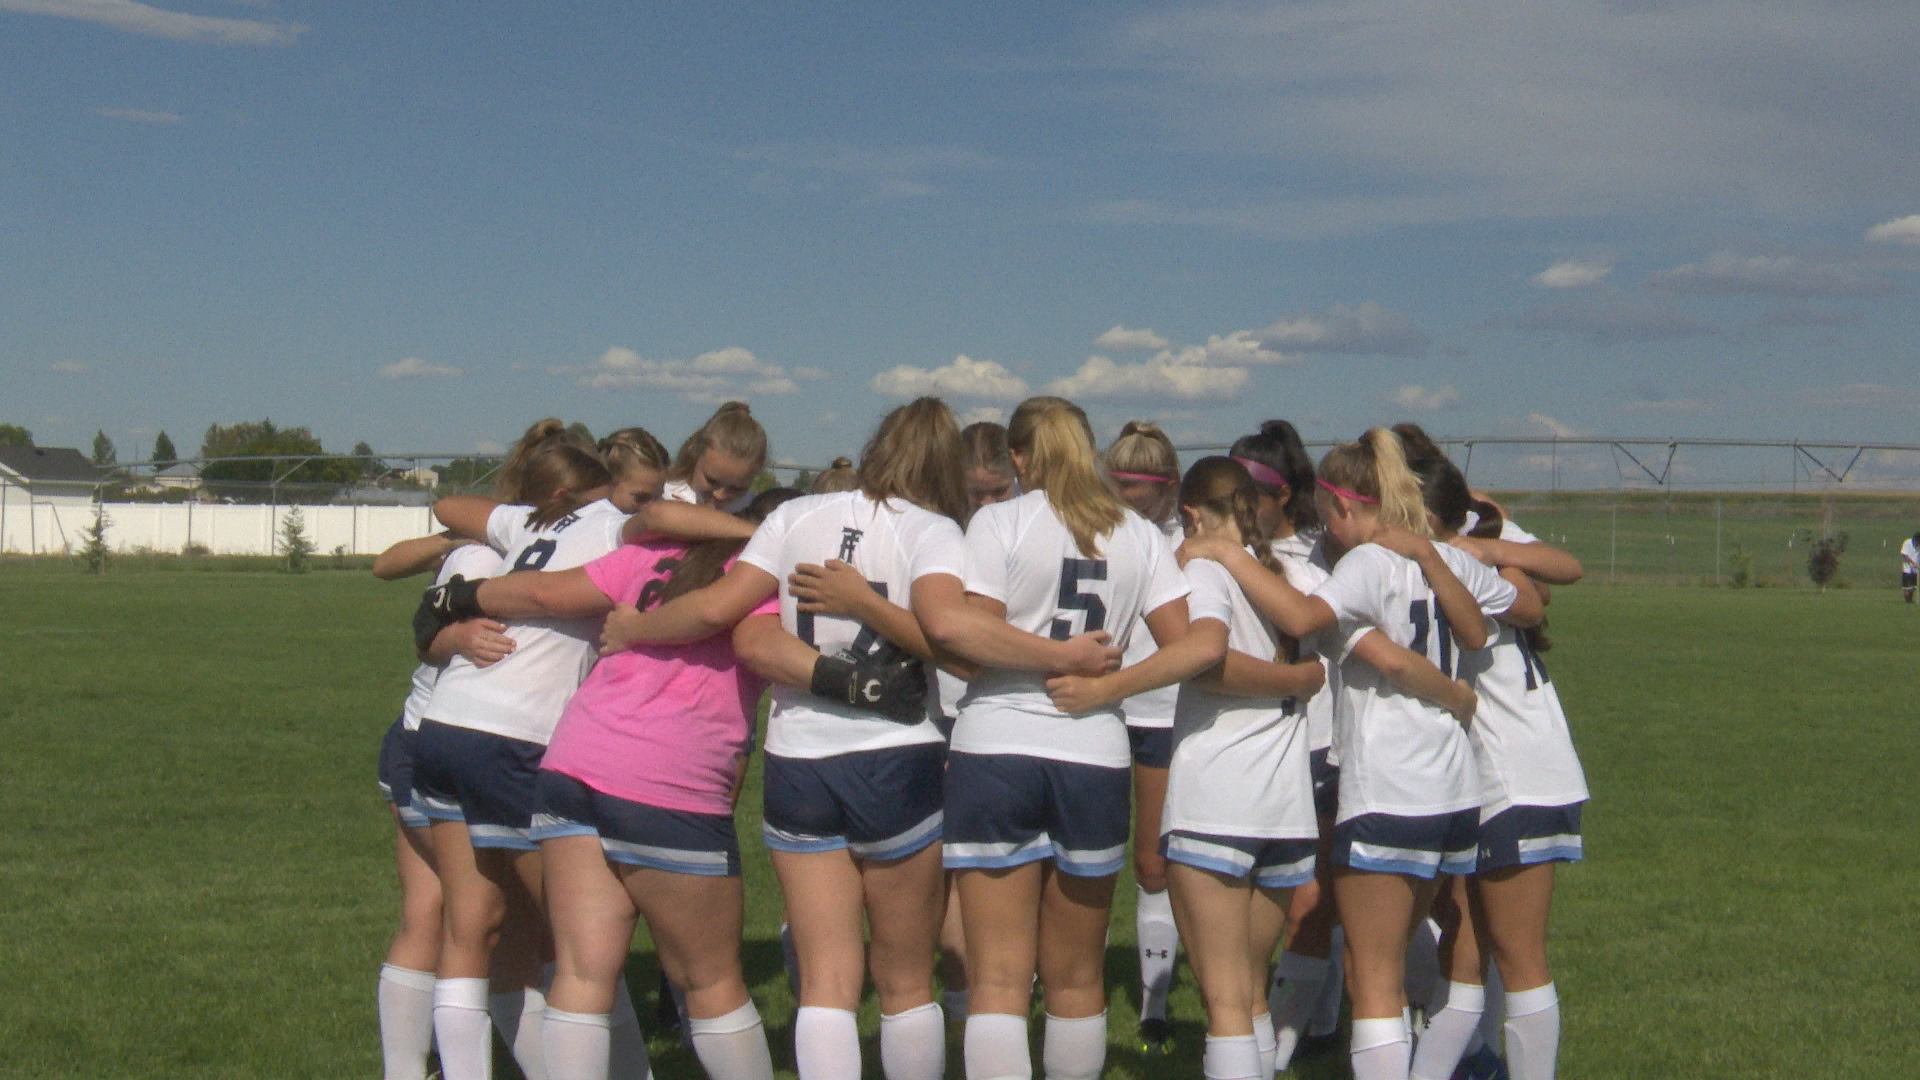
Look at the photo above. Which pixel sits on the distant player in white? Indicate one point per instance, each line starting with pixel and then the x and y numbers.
pixel 1529 820
pixel 1909 566
pixel 853 795
pixel 1146 472
pixel 1037 799
pixel 717 464
pixel 481 741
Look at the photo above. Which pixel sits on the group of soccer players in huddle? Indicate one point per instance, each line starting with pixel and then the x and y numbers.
pixel 1313 694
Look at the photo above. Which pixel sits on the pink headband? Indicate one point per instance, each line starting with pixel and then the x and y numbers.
pixel 1262 475
pixel 1145 478
pixel 1344 493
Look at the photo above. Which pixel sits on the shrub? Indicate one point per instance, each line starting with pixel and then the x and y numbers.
pixel 1823 557
pixel 1741 562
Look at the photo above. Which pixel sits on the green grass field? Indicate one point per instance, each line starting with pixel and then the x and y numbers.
pixel 197 881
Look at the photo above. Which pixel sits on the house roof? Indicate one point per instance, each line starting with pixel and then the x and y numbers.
pixel 184 469
pixel 48 464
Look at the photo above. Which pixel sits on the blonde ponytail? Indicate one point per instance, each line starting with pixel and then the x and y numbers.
pixel 1057 441
pixel 1375 468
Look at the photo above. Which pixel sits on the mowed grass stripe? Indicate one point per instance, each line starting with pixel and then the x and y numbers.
pixel 197 881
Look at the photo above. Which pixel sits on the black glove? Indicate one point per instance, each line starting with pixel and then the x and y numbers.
pixel 896 689
pixel 442 606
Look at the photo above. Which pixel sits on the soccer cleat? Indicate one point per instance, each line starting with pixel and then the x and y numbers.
pixel 1156 1037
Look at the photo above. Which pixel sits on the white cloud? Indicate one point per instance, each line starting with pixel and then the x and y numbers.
pixel 1419 398
pixel 965 377
pixel 1768 275
pixel 983 414
pixel 137 116
pixel 488 446
pixel 150 21
pixel 1573 274
pixel 708 379
pixel 1363 328
pixel 69 367
pixel 1158 378
pixel 1901 230
pixel 1461 112
pixel 1121 339
pixel 1238 349
pixel 415 368
pixel 1547 425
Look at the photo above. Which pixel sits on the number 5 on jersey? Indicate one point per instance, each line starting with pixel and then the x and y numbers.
pixel 1072 598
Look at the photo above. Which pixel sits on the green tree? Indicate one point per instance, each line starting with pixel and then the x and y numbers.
pixel 300 460
pixel 95 550
pixel 295 545
pixel 466 474
pixel 15 435
pixel 104 454
pixel 163 452
pixel 580 429
pixel 364 461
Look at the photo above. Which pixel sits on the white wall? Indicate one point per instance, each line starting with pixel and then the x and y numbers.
pixel 58 525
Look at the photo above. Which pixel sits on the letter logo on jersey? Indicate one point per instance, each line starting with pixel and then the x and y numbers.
pixel 849 539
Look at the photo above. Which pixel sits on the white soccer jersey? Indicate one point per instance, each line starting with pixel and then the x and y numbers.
pixel 1909 554
pixel 1520 739
pixel 470 561
pixel 893 545
pixel 1304 557
pixel 1240 765
pixel 1398 754
pixel 522 696
pixel 1020 554
pixel 1153 709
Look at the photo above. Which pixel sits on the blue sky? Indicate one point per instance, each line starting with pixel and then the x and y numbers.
pixel 425 225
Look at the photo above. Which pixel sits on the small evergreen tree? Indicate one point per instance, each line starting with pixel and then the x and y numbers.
pixel 104 455
pixel 163 452
pixel 95 550
pixel 295 545
pixel 1823 558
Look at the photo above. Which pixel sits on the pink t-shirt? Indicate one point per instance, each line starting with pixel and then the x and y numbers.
pixel 664 725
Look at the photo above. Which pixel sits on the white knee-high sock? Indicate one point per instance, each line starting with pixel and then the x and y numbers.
pixel 1381 1049
pixel 734 1046
pixel 405 999
pixel 995 1047
pixel 1449 1030
pixel 1293 1002
pixel 1533 1033
pixel 1263 1037
pixel 520 1015
pixel 1231 1057
pixel 460 1029
pixel 1333 989
pixel 1159 941
pixel 1074 1048
pixel 626 1044
pixel 826 1043
pixel 913 1044
pixel 575 1045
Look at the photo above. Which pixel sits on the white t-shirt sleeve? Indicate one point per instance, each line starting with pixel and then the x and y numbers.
pixel 1353 589
pixel 985 567
pixel 765 546
pixel 1210 592
pixel 506 527
pixel 937 547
